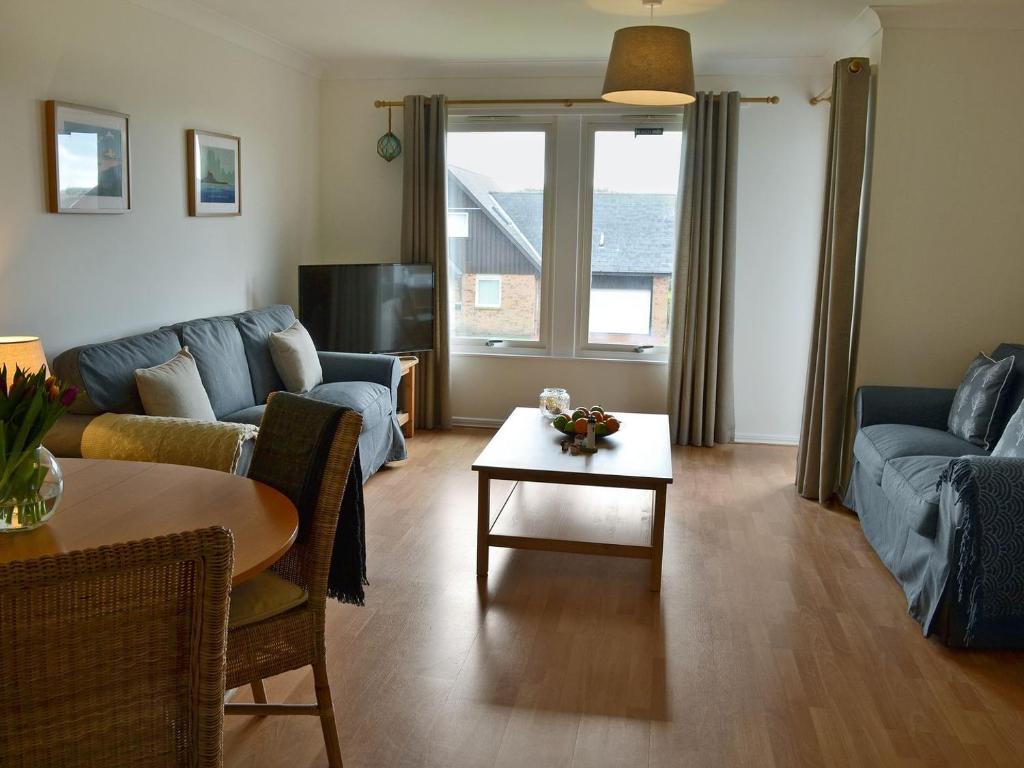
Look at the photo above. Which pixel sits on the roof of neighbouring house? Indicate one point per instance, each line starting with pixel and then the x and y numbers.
pixel 479 187
pixel 639 230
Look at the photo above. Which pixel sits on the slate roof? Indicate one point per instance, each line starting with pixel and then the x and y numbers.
pixel 479 188
pixel 639 229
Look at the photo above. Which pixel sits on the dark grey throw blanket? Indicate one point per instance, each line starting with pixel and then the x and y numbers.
pixel 988 550
pixel 291 453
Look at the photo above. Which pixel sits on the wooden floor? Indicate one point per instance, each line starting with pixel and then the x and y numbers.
pixel 778 640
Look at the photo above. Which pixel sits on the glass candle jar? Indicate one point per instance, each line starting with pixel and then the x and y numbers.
pixel 553 401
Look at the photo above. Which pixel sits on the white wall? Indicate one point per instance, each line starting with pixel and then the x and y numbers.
pixel 781 181
pixel 77 278
pixel 945 255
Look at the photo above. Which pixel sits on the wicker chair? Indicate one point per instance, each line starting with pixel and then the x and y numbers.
pixel 115 656
pixel 294 638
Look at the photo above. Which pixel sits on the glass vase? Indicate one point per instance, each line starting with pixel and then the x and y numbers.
pixel 553 401
pixel 31 492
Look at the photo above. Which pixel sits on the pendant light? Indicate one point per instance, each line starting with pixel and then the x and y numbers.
pixel 650 66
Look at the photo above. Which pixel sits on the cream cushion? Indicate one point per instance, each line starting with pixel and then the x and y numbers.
pixel 295 358
pixel 174 389
pixel 261 597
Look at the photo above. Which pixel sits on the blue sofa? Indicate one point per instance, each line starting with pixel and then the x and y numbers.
pixel 945 517
pixel 232 354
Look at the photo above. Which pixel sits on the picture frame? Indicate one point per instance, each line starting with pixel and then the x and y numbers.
pixel 88 159
pixel 214 173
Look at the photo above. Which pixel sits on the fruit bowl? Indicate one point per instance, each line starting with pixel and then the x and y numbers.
pixel 575 422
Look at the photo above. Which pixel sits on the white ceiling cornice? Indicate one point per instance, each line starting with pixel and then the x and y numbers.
pixel 397 69
pixel 1002 16
pixel 213 23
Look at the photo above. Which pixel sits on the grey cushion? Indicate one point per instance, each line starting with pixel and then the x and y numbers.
pixel 1014 394
pixel 217 347
pixel 877 444
pixel 1011 444
pixel 255 327
pixel 911 484
pixel 977 399
pixel 106 372
pixel 251 415
pixel 373 401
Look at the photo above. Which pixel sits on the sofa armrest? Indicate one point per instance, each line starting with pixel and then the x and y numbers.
pixel 982 500
pixel 916 406
pixel 348 366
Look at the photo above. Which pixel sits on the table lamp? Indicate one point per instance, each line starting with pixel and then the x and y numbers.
pixel 23 351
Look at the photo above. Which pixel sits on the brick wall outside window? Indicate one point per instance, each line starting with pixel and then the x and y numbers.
pixel 515 319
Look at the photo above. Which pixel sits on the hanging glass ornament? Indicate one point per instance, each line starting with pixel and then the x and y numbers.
pixel 388 145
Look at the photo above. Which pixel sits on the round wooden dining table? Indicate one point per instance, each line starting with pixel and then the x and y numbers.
pixel 108 502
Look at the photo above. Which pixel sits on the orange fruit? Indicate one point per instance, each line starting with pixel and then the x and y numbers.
pixel 581 426
pixel 613 425
pixel 598 416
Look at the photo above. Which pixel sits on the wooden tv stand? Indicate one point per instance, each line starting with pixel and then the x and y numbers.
pixel 407 395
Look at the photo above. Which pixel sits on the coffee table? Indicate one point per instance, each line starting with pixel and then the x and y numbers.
pixel 527 449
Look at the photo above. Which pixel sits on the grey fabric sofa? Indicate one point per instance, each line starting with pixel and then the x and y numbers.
pixel 233 357
pixel 918 491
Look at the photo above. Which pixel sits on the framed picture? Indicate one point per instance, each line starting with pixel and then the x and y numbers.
pixel 87 159
pixel 214 174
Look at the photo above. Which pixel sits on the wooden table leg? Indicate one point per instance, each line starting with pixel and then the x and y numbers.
pixel 658 536
pixel 483 522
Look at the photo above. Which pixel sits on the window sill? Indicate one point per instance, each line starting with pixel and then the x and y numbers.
pixel 509 352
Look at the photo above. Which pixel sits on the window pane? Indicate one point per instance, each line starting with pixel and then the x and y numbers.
pixel 633 245
pixel 496 183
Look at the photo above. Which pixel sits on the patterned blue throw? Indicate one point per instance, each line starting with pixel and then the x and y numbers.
pixel 988 556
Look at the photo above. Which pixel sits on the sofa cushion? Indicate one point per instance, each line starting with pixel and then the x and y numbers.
pixel 911 485
pixel 1014 394
pixel 295 358
pixel 106 372
pixel 972 414
pixel 255 327
pixel 217 347
pixel 1011 444
pixel 879 443
pixel 373 401
pixel 174 389
pixel 251 415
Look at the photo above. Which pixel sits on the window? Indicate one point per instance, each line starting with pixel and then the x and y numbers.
pixel 458 224
pixel 488 291
pixel 497 211
pixel 631 188
pixel 562 232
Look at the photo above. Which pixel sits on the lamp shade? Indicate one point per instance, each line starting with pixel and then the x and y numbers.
pixel 25 352
pixel 650 66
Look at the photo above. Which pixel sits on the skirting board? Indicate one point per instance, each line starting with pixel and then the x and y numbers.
pixel 747 437
pixel 741 437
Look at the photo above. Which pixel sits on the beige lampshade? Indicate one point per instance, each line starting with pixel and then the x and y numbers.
pixel 650 66
pixel 23 351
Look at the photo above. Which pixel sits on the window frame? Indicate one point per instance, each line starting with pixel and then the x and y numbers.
pixel 476 293
pixel 476 123
pixel 591 125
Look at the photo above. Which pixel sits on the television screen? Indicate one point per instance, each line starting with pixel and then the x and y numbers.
pixel 386 308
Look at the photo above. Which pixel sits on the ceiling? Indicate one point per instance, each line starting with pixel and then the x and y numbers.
pixel 436 31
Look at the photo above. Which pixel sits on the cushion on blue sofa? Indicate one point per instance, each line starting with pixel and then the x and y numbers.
pixel 1014 393
pixel 106 372
pixel 911 484
pixel 217 348
pixel 255 327
pixel 879 443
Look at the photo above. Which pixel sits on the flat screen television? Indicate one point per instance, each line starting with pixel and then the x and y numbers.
pixel 386 308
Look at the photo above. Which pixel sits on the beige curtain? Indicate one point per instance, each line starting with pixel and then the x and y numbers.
pixel 700 362
pixel 831 362
pixel 425 241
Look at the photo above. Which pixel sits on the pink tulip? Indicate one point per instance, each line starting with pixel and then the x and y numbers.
pixel 69 396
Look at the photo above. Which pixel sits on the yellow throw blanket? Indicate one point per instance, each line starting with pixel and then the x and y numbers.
pixel 210 444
